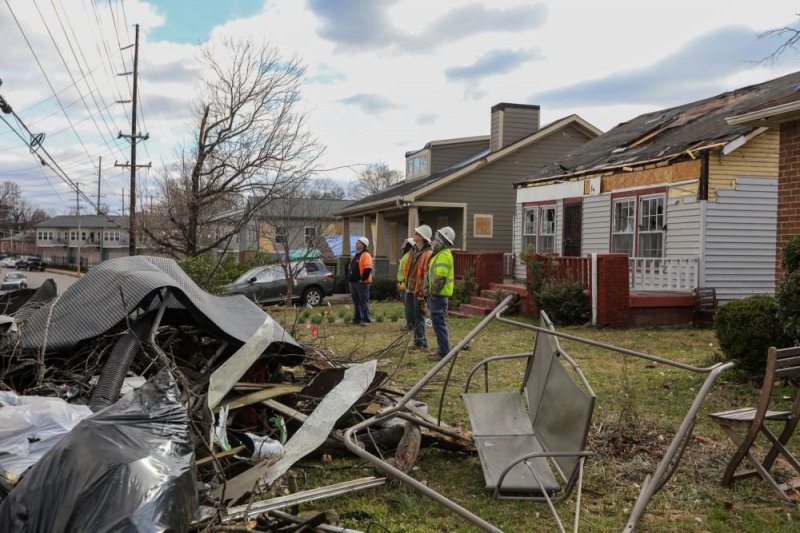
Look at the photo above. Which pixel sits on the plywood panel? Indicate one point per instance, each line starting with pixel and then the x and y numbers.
pixel 686 170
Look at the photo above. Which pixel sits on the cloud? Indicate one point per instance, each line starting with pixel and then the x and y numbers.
pixel 361 25
pixel 695 70
pixel 372 104
pixel 171 72
pixel 326 75
pixel 426 119
pixel 492 63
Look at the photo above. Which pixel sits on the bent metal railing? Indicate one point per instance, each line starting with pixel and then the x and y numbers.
pixel 651 484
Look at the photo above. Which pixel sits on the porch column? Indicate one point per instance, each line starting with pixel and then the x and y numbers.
pixel 413 219
pixel 380 249
pixel 345 237
pixel 368 230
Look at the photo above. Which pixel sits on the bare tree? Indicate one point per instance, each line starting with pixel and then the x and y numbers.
pixel 374 178
pixel 251 139
pixel 791 37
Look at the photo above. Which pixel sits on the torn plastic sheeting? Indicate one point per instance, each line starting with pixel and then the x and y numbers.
pixel 312 433
pixel 31 425
pixel 127 468
pixel 114 288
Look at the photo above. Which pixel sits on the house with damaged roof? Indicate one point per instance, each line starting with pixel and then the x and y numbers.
pixel 688 195
pixel 465 183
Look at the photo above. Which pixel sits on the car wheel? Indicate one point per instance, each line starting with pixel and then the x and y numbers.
pixel 312 296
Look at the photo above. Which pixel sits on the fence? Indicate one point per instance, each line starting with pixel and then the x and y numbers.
pixel 679 274
pixel 576 269
pixel 487 266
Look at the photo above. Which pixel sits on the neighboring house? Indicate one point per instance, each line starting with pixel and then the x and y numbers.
pixel 293 223
pixel 466 183
pixel 99 237
pixel 19 243
pixel 690 197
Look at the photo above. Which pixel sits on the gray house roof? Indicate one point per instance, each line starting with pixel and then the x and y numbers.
pixel 87 221
pixel 320 208
pixel 672 134
pixel 410 188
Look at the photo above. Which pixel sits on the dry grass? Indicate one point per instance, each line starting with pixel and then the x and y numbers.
pixel 639 407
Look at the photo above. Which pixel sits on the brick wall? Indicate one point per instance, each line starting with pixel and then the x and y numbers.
pixel 788 188
pixel 613 291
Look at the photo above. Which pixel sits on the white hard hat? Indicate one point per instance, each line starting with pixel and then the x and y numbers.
pixel 425 231
pixel 364 241
pixel 447 234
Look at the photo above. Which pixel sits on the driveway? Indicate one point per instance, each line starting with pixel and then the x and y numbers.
pixel 35 279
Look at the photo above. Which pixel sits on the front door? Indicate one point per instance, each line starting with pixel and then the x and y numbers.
pixel 572 230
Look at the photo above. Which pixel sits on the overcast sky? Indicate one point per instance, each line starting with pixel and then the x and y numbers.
pixel 383 76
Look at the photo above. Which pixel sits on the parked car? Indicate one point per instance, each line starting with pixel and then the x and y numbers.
pixel 12 286
pixel 267 284
pixel 29 263
pixel 9 262
pixel 14 276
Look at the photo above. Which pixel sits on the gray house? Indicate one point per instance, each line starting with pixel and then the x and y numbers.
pixel 99 237
pixel 466 183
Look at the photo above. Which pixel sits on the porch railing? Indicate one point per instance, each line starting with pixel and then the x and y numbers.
pixel 679 274
pixel 487 267
pixel 561 268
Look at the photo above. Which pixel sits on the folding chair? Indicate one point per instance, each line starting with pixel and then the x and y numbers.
pixel 782 363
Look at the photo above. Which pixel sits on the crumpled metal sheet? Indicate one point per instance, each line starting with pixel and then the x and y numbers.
pixel 114 288
pixel 312 433
pixel 128 468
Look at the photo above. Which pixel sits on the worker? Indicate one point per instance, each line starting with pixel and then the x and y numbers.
pixel 439 285
pixel 359 274
pixel 415 284
pixel 408 244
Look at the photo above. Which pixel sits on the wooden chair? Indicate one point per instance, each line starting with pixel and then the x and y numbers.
pixel 705 306
pixel 782 363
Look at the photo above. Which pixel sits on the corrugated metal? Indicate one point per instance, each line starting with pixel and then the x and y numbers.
pixel 740 239
pixel 596 227
pixel 683 230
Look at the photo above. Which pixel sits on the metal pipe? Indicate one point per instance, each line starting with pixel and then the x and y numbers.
pixel 649 488
pixel 485 365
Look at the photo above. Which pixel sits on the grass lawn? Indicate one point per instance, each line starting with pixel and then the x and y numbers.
pixel 639 407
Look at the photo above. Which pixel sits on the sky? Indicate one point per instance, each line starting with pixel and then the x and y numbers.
pixel 382 77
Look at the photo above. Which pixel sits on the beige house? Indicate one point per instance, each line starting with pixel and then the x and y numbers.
pixel 466 183
pixel 99 237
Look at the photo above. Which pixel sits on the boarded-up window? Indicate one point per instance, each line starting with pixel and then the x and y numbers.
pixel 483 226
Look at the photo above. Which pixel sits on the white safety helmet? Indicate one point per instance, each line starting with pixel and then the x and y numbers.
pixel 364 241
pixel 447 234
pixel 425 231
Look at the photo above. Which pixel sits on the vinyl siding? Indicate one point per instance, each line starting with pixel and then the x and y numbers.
pixel 519 123
pixel 596 226
pixel 519 266
pixel 444 156
pixel 559 226
pixel 740 239
pixel 494 132
pixel 490 189
pixel 683 229
pixel 758 158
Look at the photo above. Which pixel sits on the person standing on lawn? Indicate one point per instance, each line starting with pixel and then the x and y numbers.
pixel 402 268
pixel 415 284
pixel 359 275
pixel 439 285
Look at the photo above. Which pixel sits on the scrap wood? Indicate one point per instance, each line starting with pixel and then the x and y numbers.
pixel 259 396
pixel 226 453
pixel 325 528
pixel 311 434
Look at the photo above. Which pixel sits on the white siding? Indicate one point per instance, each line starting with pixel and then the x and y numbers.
pixel 559 225
pixel 516 231
pixel 683 229
pixel 596 226
pixel 740 239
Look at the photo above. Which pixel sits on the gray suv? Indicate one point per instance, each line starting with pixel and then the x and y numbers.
pixel 267 284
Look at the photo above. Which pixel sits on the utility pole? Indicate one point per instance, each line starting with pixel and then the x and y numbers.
pixel 133 138
pixel 78 210
pixel 123 201
pixel 102 229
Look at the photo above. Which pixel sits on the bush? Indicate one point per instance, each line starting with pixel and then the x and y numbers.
pixel 790 255
pixel 787 298
pixel 465 288
pixel 383 289
pixel 209 275
pixel 564 302
pixel 747 328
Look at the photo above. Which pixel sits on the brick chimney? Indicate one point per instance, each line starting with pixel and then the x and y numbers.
pixel 512 122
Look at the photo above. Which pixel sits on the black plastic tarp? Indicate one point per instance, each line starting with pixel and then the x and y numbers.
pixel 127 468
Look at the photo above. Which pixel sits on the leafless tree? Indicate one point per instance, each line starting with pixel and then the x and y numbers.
pixel 791 37
pixel 375 177
pixel 251 140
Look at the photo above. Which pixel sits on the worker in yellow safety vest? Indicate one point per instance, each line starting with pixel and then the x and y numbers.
pixel 402 272
pixel 439 285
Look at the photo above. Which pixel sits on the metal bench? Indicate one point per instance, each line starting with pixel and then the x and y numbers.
pixel 532 442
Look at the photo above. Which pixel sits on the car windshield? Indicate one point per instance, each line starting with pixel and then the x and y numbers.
pixel 262 274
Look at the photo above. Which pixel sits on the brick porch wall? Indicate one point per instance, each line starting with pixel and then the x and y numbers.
pixel 613 294
pixel 788 189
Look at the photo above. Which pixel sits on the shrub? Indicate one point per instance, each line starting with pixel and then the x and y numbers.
pixel 564 302
pixel 211 275
pixel 790 255
pixel 787 298
pixel 747 328
pixel 383 289
pixel 304 314
pixel 316 320
pixel 465 288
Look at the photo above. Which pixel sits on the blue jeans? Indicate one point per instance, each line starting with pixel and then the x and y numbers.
pixel 419 321
pixel 408 304
pixel 438 305
pixel 360 294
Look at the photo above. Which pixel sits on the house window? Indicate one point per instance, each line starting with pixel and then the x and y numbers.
pixel 310 235
pixel 529 230
pixel 83 235
pixel 280 235
pixel 623 229
pixel 547 230
pixel 483 226
pixel 73 235
pixel 417 166
pixel 651 226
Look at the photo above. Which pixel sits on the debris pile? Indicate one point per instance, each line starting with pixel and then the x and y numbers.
pixel 135 398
